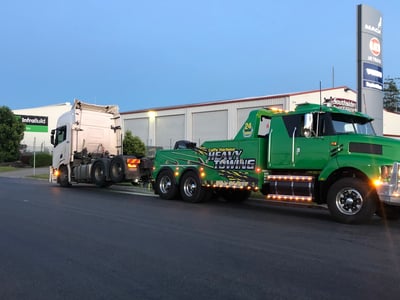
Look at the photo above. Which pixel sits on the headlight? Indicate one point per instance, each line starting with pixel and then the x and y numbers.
pixel 390 173
pixel 385 173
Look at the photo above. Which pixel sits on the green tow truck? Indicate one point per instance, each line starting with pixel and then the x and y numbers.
pixel 316 154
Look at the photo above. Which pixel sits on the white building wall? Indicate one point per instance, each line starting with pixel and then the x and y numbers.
pixel 219 119
pixel 319 96
pixel 169 129
pixel 181 119
pixel 210 125
pixel 391 123
pixel 139 127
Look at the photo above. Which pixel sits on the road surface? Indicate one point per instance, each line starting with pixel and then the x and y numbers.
pixel 89 243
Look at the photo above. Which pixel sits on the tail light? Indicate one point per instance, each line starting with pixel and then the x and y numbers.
pixel 133 162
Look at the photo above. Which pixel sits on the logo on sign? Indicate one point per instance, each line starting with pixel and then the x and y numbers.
pixel 377 29
pixel 375 46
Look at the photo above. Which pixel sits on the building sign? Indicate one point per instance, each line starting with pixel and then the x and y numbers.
pixel 369 64
pixel 372 76
pixel 342 103
pixel 35 123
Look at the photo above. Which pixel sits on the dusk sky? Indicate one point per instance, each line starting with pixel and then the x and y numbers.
pixel 147 54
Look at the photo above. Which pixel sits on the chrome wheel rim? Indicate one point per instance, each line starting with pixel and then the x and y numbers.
pixel 189 187
pixel 349 201
pixel 165 184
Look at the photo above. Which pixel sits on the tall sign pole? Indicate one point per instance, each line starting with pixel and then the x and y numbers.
pixel 369 64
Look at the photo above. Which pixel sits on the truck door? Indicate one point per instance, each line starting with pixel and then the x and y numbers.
pixel 61 144
pixel 280 143
pixel 312 146
pixel 300 142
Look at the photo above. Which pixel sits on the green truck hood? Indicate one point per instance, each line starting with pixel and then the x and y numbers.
pixel 362 152
pixel 376 148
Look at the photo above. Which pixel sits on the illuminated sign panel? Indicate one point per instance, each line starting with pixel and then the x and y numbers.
pixel 372 76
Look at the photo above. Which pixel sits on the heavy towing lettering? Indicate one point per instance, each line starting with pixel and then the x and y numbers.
pixel 315 154
pixel 225 160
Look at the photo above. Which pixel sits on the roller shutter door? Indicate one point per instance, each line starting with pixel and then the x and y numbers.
pixel 169 129
pixel 209 126
pixel 138 127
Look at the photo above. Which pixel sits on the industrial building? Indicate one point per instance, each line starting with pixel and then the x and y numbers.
pixel 161 127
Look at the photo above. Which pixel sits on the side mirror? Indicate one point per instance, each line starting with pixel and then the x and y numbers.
pixel 52 137
pixel 308 125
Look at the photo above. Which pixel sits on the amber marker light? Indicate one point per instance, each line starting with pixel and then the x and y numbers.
pixel 176 173
pixel 202 173
pixel 377 182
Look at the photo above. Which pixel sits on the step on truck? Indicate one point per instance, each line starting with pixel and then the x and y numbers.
pixel 88 148
pixel 315 155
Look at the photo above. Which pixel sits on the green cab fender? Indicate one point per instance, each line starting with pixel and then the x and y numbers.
pixel 370 166
pixel 330 167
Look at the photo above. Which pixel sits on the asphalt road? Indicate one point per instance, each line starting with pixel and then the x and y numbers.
pixel 89 243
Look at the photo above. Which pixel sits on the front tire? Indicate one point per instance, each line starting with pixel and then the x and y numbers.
pixel 63 177
pixel 351 201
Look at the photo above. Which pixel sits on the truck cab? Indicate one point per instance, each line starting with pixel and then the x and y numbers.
pixel 88 147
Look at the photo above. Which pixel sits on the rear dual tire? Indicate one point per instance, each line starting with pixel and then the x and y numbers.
pixel 166 186
pixel 99 174
pixel 190 188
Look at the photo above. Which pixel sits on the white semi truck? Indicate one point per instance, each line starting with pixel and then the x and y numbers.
pixel 88 148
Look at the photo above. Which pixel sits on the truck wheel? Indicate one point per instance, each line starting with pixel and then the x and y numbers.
pixel 63 177
pixel 98 174
pixel 191 189
pixel 350 200
pixel 166 186
pixel 117 169
pixel 388 212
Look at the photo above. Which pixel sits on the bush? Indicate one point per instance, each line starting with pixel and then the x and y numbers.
pixel 11 133
pixel 42 159
pixel 133 145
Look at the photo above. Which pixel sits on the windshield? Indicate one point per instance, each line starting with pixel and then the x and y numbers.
pixel 344 124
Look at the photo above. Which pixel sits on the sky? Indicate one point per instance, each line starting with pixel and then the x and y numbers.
pixel 157 53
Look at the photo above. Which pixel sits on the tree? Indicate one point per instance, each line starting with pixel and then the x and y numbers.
pixel 11 134
pixel 133 145
pixel 391 96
